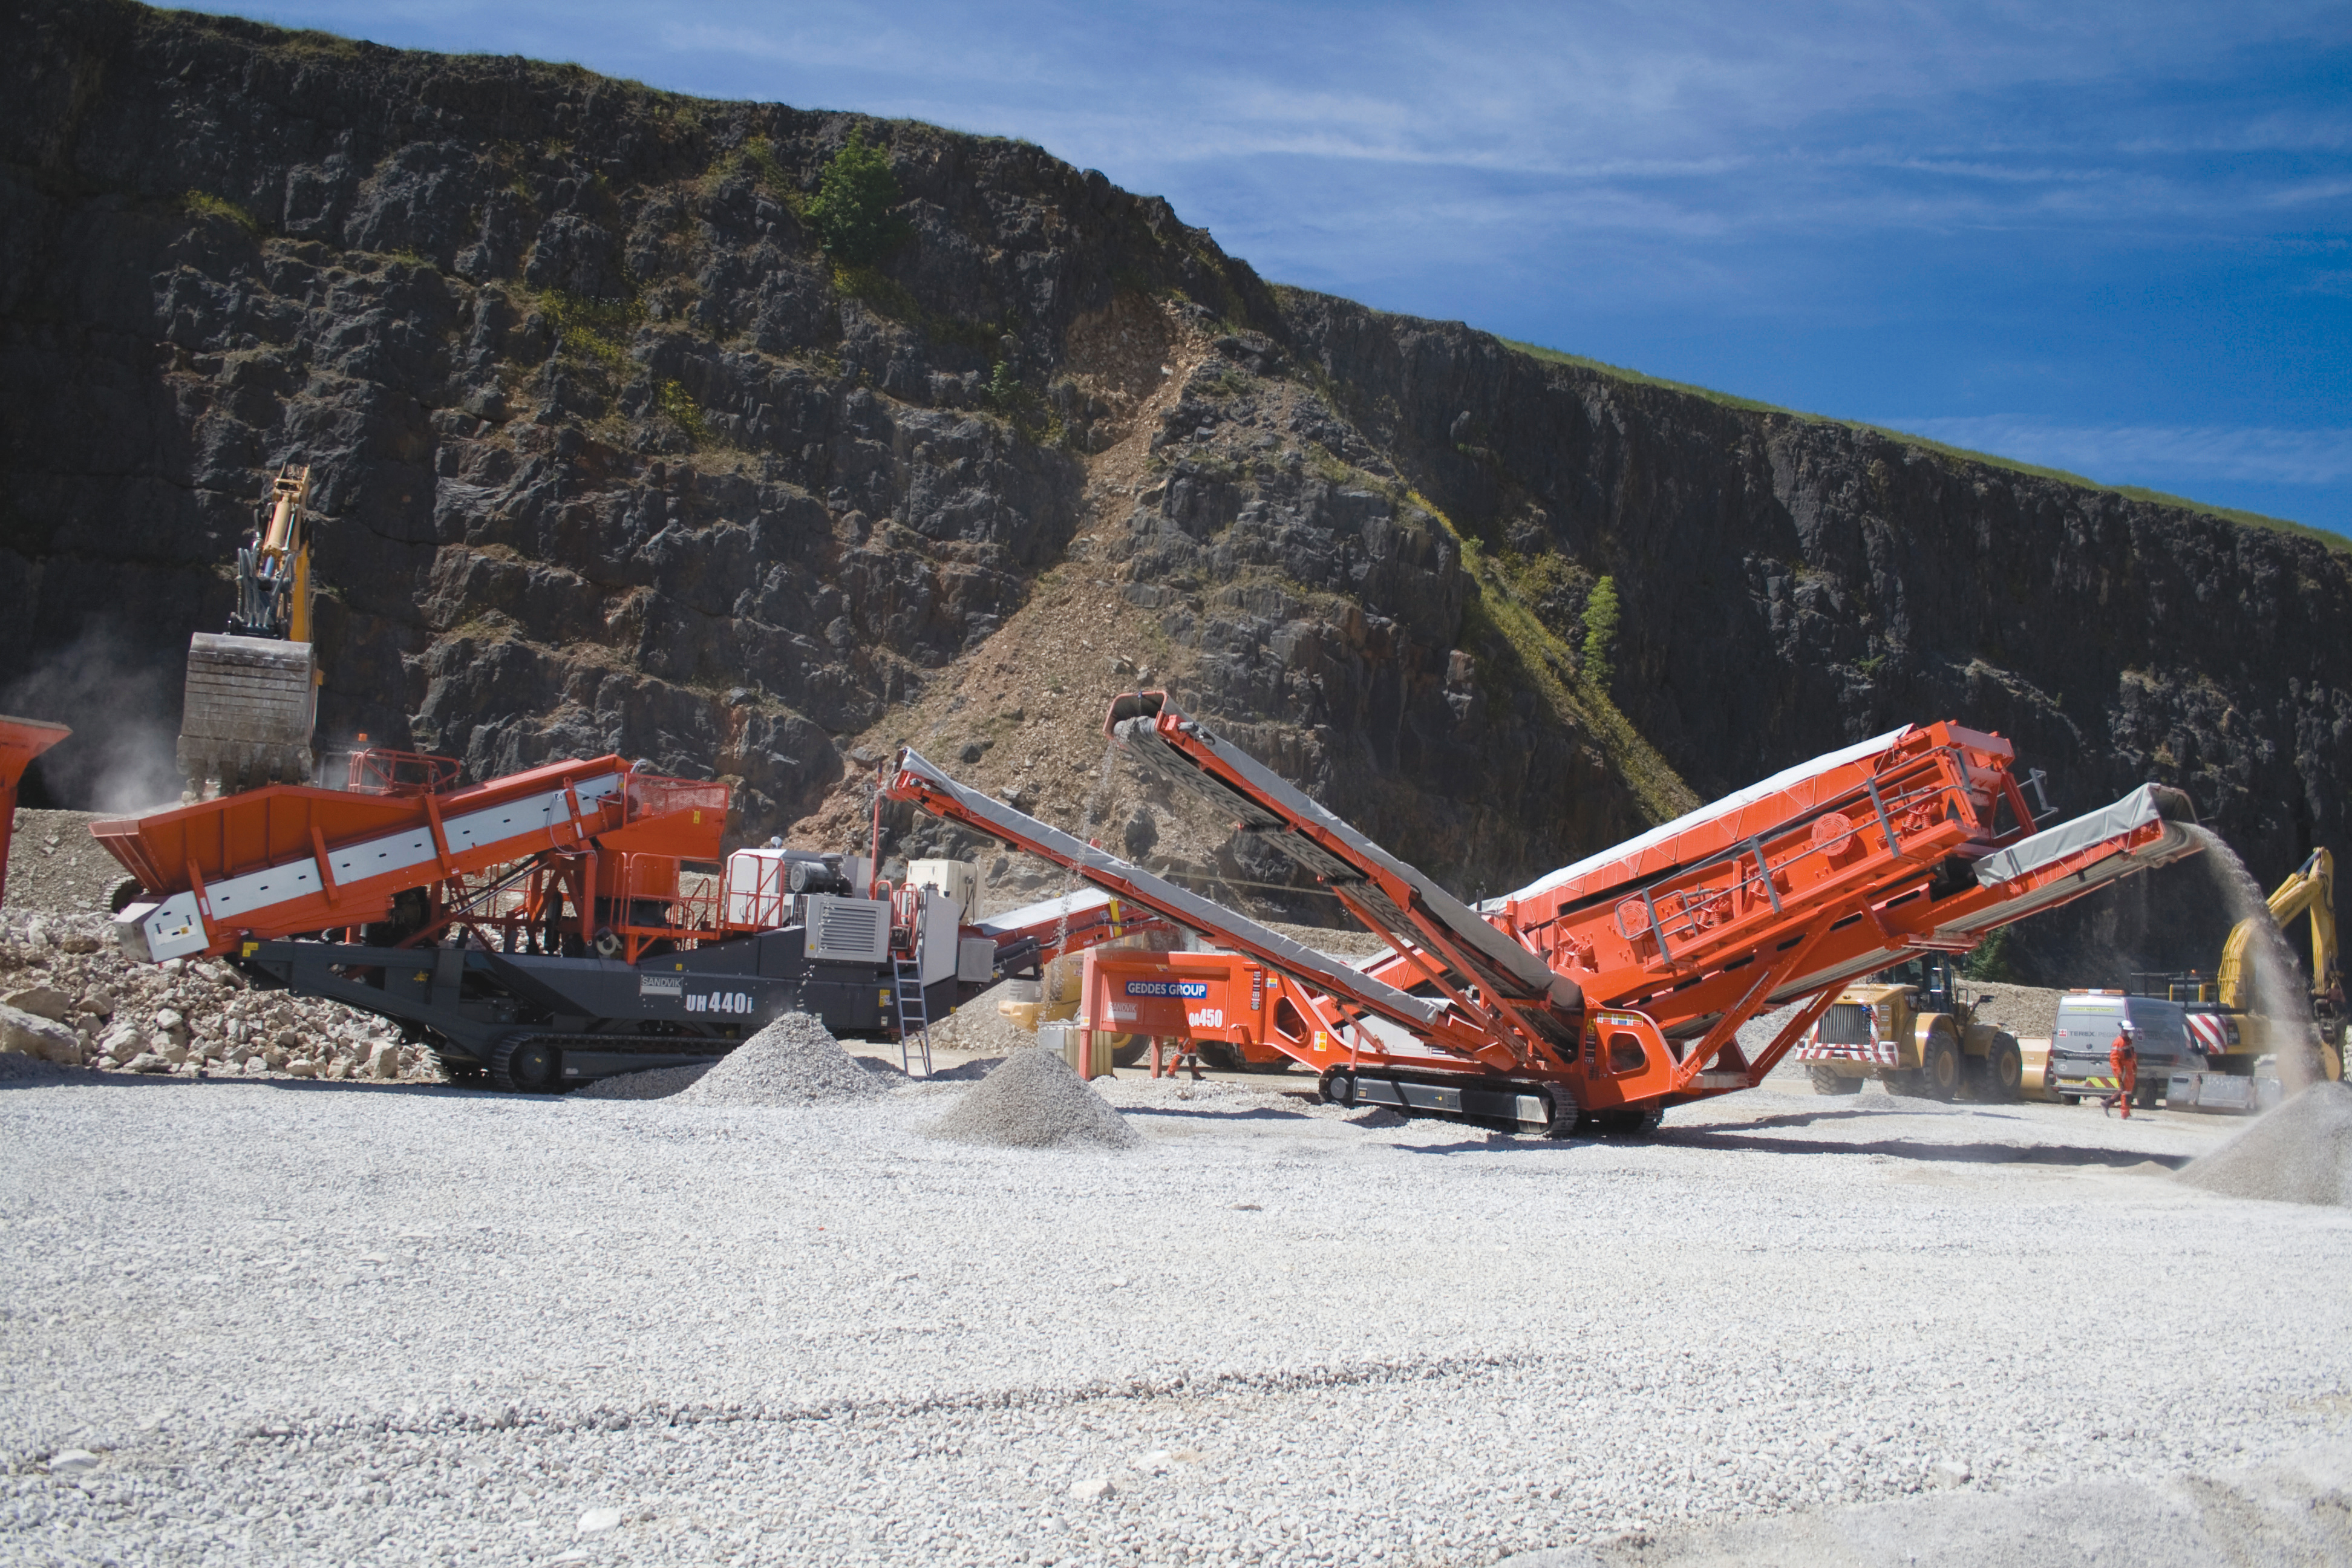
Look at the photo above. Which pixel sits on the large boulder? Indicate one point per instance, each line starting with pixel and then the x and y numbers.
pixel 29 1033
pixel 43 1001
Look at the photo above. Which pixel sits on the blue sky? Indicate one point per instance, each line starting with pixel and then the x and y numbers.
pixel 2113 238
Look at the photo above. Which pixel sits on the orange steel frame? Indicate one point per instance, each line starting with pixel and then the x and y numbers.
pixel 601 869
pixel 609 866
pixel 1673 945
pixel 21 740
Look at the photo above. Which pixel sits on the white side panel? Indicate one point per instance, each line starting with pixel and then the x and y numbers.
pixel 492 825
pixel 958 879
pixel 975 959
pixel 379 856
pixel 756 894
pixel 154 932
pixel 938 950
pixel 259 889
pixel 533 814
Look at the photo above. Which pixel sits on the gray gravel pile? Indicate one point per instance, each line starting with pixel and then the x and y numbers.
pixel 978 1027
pixel 2299 1152
pixel 2029 1012
pixel 794 1061
pixel 186 1018
pixel 1034 1100
pixel 55 864
pixel 654 1083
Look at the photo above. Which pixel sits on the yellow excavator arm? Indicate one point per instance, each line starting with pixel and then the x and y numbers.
pixel 2311 890
pixel 250 703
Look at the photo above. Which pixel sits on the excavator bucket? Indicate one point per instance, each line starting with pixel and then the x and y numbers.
pixel 250 703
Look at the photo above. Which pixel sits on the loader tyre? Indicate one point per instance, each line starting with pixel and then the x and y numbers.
pixel 1939 1066
pixel 2004 1074
pixel 526 1064
pixel 1828 1080
pixel 1130 1050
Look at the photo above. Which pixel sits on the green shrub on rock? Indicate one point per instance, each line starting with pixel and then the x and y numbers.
pixel 851 214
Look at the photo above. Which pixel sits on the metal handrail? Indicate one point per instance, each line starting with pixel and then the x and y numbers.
pixel 380 770
pixel 1685 905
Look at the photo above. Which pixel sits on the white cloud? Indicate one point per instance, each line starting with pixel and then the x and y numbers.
pixel 1700 116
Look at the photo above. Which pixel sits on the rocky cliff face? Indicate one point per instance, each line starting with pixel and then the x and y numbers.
pixel 610 456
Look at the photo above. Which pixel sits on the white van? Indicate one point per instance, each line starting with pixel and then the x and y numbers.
pixel 2088 1022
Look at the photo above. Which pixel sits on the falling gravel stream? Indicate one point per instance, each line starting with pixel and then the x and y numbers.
pixel 2281 995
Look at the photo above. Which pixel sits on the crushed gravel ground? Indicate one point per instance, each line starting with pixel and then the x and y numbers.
pixel 2300 1151
pixel 2292 1513
pixel 794 1061
pixel 654 1083
pixel 302 1323
pixel 1034 1100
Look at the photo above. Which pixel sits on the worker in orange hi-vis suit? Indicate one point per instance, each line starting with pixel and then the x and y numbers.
pixel 2123 1057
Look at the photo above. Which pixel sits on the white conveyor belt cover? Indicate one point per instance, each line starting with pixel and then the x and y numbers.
pixel 1787 779
pixel 2145 805
pixel 1045 911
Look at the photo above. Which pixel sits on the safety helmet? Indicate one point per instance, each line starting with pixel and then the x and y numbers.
pixel 2129 1027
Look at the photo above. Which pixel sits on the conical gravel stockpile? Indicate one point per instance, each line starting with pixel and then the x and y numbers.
pixel 794 1061
pixel 1035 1100
pixel 2300 1152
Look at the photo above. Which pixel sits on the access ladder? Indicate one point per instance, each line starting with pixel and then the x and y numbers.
pixel 914 1016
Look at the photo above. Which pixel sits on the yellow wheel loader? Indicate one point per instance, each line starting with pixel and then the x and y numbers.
pixel 1908 1028
pixel 252 695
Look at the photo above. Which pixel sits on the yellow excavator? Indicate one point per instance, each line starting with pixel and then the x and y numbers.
pixel 252 695
pixel 2310 891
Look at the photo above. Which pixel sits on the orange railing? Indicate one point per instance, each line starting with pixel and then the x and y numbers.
pixel 379 770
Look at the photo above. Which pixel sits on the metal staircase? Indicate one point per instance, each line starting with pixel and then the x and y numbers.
pixel 914 1017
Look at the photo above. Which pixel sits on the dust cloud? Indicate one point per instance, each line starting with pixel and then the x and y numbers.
pixel 2280 994
pixel 124 713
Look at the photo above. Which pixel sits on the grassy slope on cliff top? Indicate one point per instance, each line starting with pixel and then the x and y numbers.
pixel 2134 492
